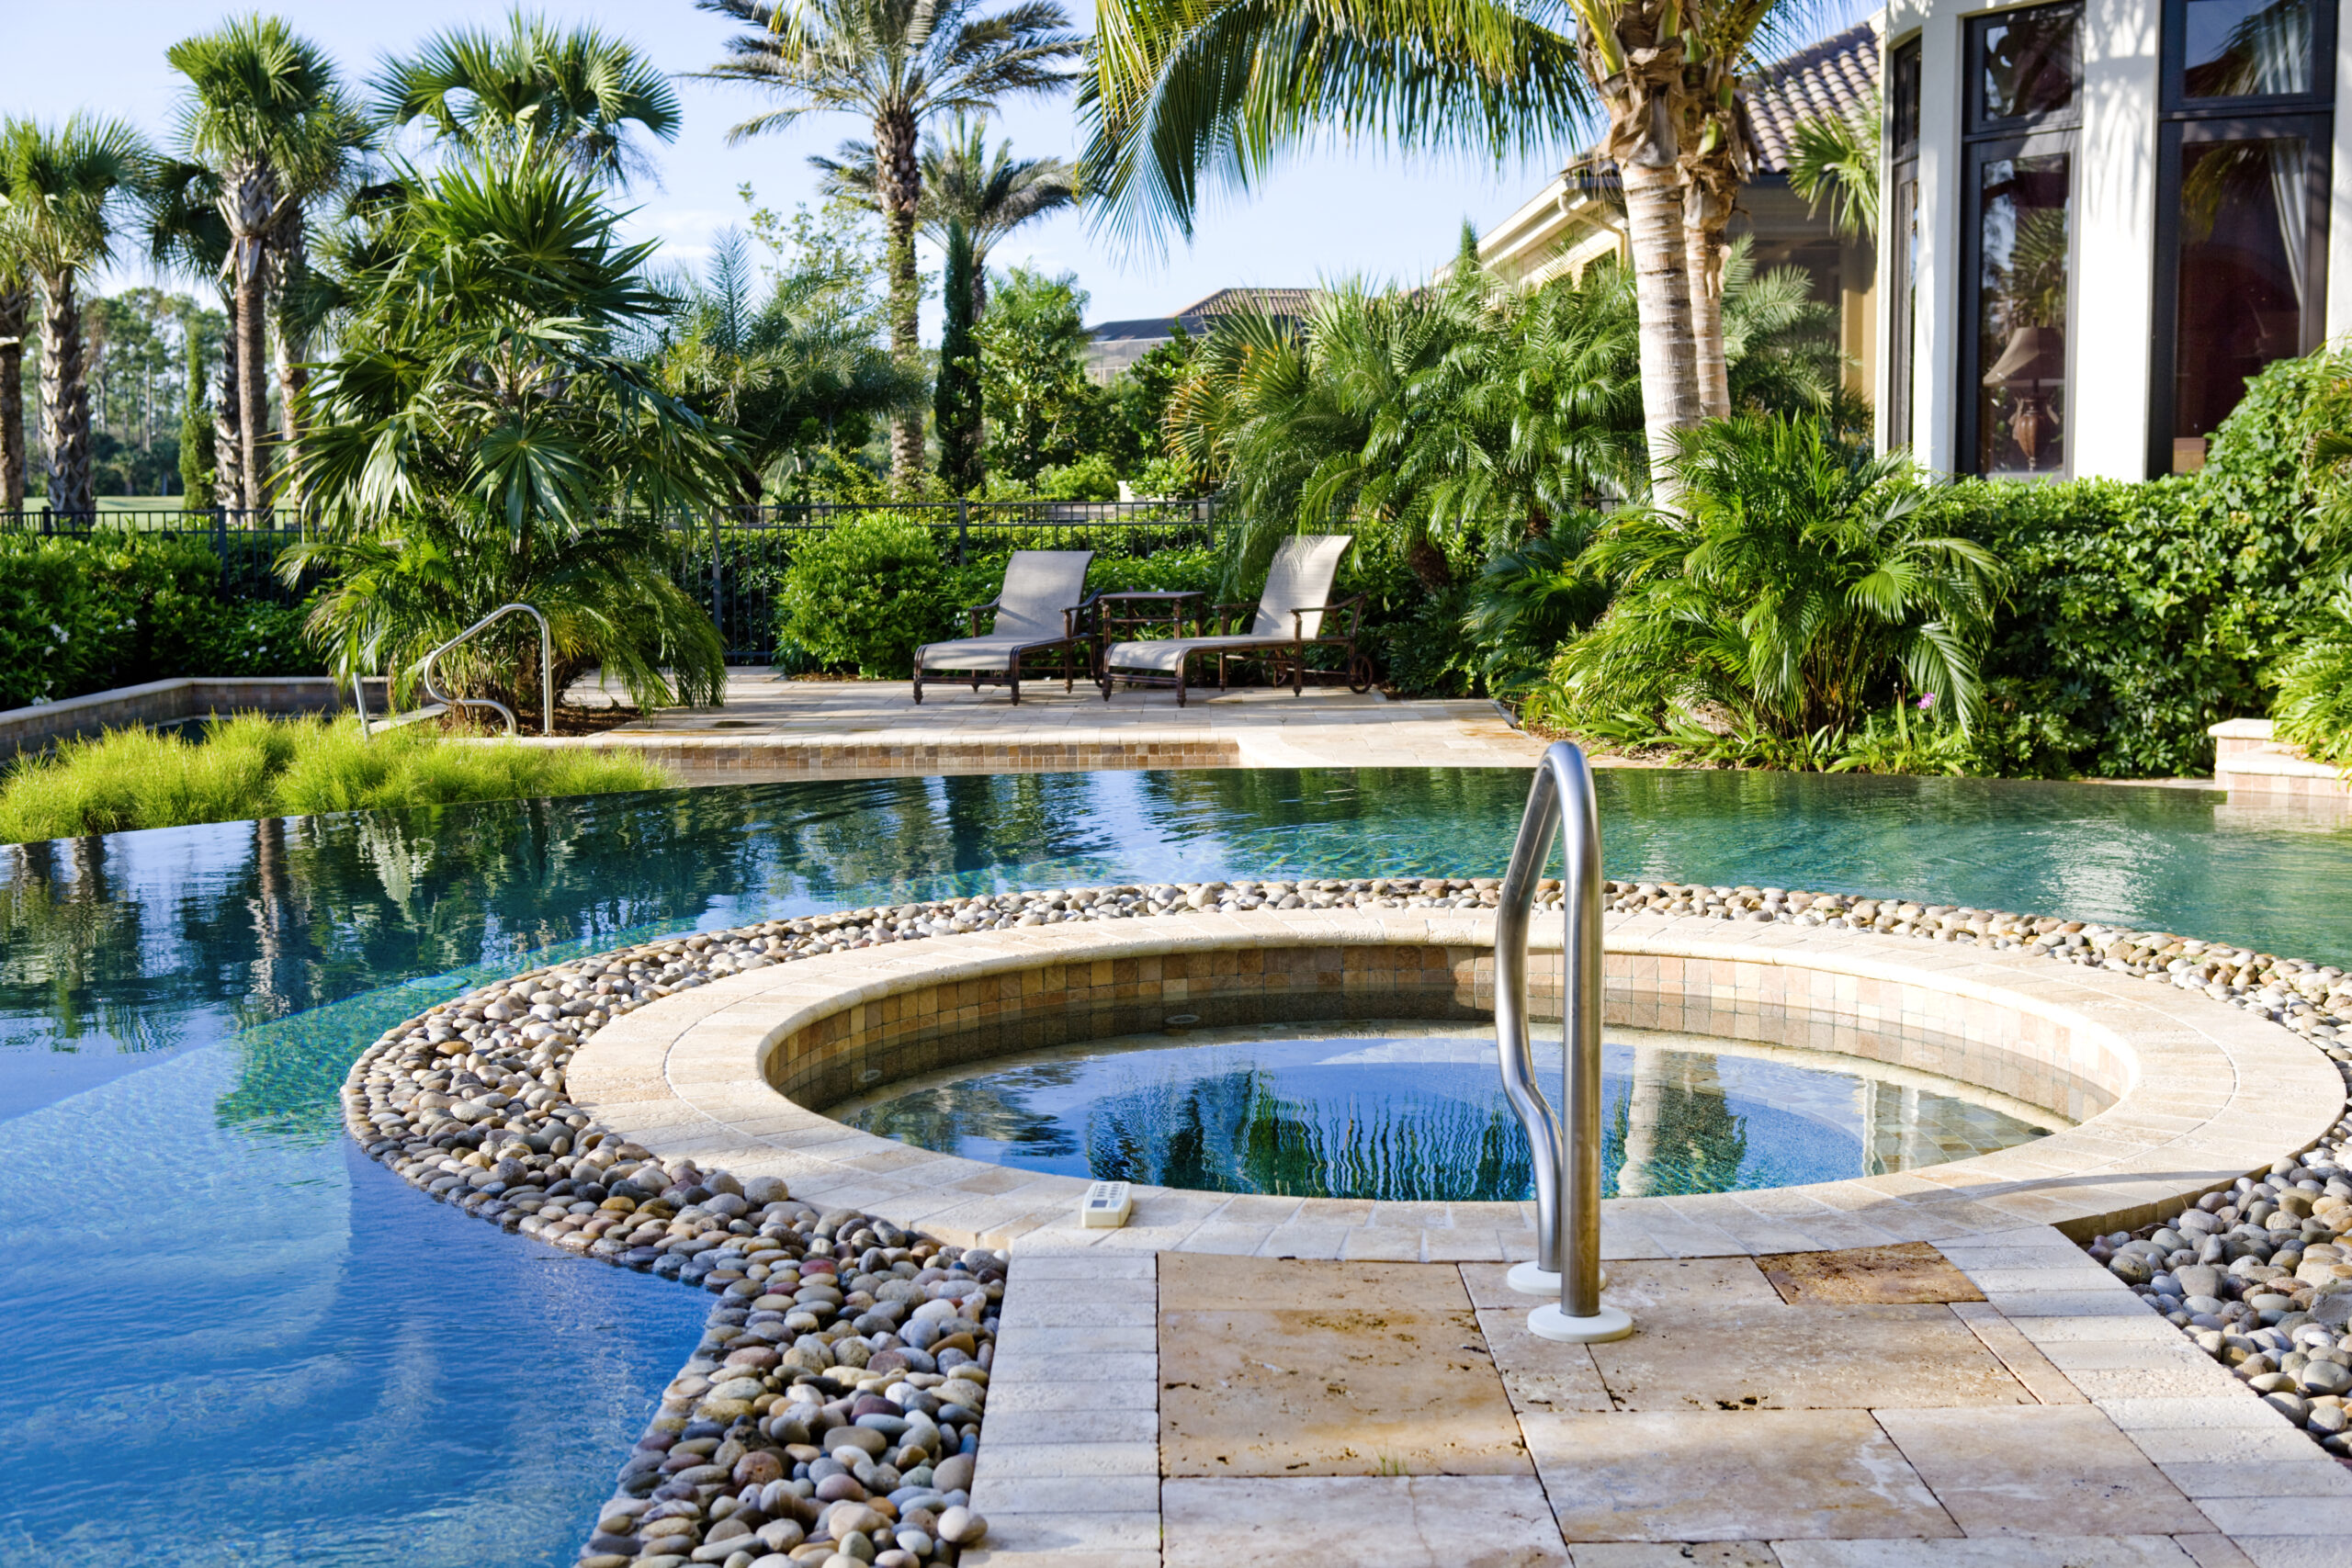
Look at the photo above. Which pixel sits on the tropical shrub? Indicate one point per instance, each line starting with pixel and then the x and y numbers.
pixel 1798 587
pixel 115 608
pixel 478 438
pixel 866 594
pixel 254 766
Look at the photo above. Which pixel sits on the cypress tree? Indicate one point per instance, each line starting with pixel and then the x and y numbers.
pixel 196 417
pixel 955 398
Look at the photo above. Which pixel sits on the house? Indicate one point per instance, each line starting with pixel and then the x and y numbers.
pixel 2100 220
pixel 1115 345
pixel 1578 219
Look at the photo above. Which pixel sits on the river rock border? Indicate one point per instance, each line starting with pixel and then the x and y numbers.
pixel 832 1410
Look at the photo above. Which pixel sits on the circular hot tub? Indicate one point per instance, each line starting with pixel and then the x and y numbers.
pixel 1891 1090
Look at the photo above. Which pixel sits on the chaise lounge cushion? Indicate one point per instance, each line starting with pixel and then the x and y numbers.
pixel 1038 586
pixel 1299 579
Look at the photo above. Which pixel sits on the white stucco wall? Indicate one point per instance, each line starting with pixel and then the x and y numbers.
pixel 2339 201
pixel 2114 270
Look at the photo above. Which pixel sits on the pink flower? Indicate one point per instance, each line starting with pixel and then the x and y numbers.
pixel 1926 701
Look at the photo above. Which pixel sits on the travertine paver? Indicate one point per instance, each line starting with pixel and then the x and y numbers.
pixel 1336 1369
pixel 770 728
pixel 1910 1272
pixel 2038 1471
pixel 1720 1476
pixel 1443 1521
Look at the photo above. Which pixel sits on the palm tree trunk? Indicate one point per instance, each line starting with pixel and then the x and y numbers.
pixel 255 195
pixel 64 398
pixel 1705 257
pixel 1426 561
pixel 1662 299
pixel 290 259
pixel 897 184
pixel 1636 66
pixel 228 442
pixel 14 302
pixel 1717 159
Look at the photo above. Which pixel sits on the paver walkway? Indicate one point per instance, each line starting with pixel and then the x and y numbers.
pixel 770 728
pixel 2001 1401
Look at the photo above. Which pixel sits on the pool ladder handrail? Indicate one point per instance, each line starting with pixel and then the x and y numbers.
pixel 546 672
pixel 1567 1158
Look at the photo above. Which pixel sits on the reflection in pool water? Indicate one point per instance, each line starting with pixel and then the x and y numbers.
pixel 1402 1112
pixel 220 1299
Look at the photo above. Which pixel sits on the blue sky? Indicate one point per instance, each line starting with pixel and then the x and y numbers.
pixel 1341 210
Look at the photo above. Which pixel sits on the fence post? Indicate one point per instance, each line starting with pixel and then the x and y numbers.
pixel 963 528
pixel 717 614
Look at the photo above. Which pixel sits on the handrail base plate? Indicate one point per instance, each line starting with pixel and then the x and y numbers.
pixel 1550 1322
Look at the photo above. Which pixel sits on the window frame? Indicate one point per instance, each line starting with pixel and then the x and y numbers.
pixel 1976 153
pixel 2317 131
pixel 1975 121
pixel 1902 306
pixel 2172 54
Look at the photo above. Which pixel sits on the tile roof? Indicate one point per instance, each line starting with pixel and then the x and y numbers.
pixel 1836 75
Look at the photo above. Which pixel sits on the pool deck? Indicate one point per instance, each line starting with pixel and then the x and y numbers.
pixel 1180 1410
pixel 1880 1374
pixel 773 728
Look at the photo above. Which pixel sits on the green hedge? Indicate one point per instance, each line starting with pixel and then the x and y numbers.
pixel 2141 614
pixel 117 608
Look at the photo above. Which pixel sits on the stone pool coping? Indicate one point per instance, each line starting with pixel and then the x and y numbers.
pixel 2215 1093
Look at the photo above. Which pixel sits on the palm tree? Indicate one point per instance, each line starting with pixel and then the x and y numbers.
pixel 188 235
pixel 898 64
pixel 781 375
pixel 15 300
pixel 1795 580
pixel 990 194
pixel 1834 159
pixel 265 111
pixel 479 437
pixel 1226 89
pixel 66 191
pixel 574 92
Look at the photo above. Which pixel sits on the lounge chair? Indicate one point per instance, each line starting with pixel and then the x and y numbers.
pixel 1289 621
pixel 1040 609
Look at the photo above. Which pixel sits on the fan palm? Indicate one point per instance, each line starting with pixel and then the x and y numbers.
pixel 990 194
pixel 898 64
pixel 478 439
pixel 575 92
pixel 265 111
pixel 1795 581
pixel 66 190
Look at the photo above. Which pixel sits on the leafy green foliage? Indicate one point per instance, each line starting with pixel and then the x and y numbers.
pixel 254 766
pixel 1041 409
pixel 2314 705
pixel 956 399
pixel 1798 581
pixel 866 594
pixel 479 439
pixel 117 608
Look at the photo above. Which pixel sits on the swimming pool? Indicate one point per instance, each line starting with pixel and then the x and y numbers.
pixel 219 1299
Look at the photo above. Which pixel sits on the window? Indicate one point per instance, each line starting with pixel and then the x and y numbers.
pixel 2024 76
pixel 1903 149
pixel 2241 214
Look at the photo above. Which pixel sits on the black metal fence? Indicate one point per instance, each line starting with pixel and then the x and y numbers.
pixel 734 560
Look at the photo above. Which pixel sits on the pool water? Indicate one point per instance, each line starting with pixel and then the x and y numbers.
pixel 1400 1111
pixel 208 1295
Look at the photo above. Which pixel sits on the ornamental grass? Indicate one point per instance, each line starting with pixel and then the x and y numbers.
pixel 252 765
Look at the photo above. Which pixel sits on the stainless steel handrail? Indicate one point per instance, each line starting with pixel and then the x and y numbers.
pixel 1566 1156
pixel 359 701
pixel 546 672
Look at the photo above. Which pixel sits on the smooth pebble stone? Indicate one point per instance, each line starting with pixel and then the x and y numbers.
pixel 961 1527
pixel 953 1473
